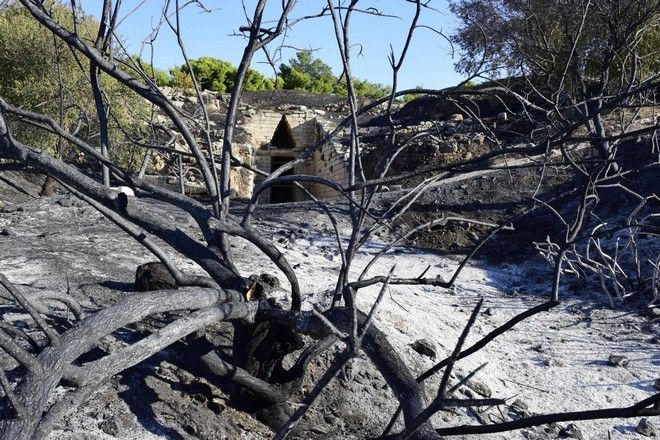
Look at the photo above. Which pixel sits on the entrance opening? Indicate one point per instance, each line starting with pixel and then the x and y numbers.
pixel 283 137
pixel 281 192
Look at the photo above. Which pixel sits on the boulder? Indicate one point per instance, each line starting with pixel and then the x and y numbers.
pixel 448 147
pixel 153 276
pixel 479 388
pixel 424 347
pixel 617 360
pixel 647 428
pixel 571 431
pixel 456 117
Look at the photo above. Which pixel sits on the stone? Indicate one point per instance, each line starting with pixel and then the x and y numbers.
pixel 503 117
pixel 571 431
pixel 270 280
pixel 618 360
pixel 553 362
pixel 456 117
pixel 479 388
pixel 424 347
pixel 647 428
pixel 448 147
pixel 156 164
pixel 213 106
pixel 521 407
pixel 153 276
pixel 7 208
pixel 109 426
pixel 7 232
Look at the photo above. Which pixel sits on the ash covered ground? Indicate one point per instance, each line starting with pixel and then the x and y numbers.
pixel 556 361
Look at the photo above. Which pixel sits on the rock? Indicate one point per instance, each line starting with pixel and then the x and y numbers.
pixel 571 431
pixel 535 434
pixel 8 208
pixel 448 147
pixel 647 428
pixel 331 419
pixel 153 276
pixel 156 164
pixel 479 388
pixel 503 117
pixel 68 202
pixel 456 117
pixel 270 280
pixel 424 347
pixel 618 360
pixel 213 106
pixel 109 426
pixel 552 362
pixel 7 232
pixel 521 407
pixel 479 139
pixel 654 313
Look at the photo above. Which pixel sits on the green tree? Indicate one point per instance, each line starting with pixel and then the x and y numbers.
pixel 255 81
pixel 161 77
pixel 39 73
pixel 218 75
pixel 305 72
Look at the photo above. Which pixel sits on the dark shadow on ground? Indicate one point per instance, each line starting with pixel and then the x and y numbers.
pixel 139 397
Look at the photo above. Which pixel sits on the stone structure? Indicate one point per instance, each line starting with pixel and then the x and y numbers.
pixel 273 128
pixel 280 135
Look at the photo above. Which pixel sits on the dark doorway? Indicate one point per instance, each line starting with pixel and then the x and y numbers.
pixel 283 137
pixel 281 192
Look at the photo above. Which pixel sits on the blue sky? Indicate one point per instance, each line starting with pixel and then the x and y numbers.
pixel 429 62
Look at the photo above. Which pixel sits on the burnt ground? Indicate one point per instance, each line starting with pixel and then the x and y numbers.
pixel 503 196
pixel 58 242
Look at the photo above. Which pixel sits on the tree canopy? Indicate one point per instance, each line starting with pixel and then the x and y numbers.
pixel 40 73
pixel 304 72
pixel 218 75
pixel 585 39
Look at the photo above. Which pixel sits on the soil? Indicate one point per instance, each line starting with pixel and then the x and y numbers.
pixel 557 361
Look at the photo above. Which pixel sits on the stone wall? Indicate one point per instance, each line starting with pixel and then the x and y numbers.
pixel 307 127
pixel 330 162
pixel 252 135
pixel 261 124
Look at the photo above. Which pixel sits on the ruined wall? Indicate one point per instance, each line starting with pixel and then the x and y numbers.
pixel 307 127
pixel 330 162
pixel 261 124
pixel 254 130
